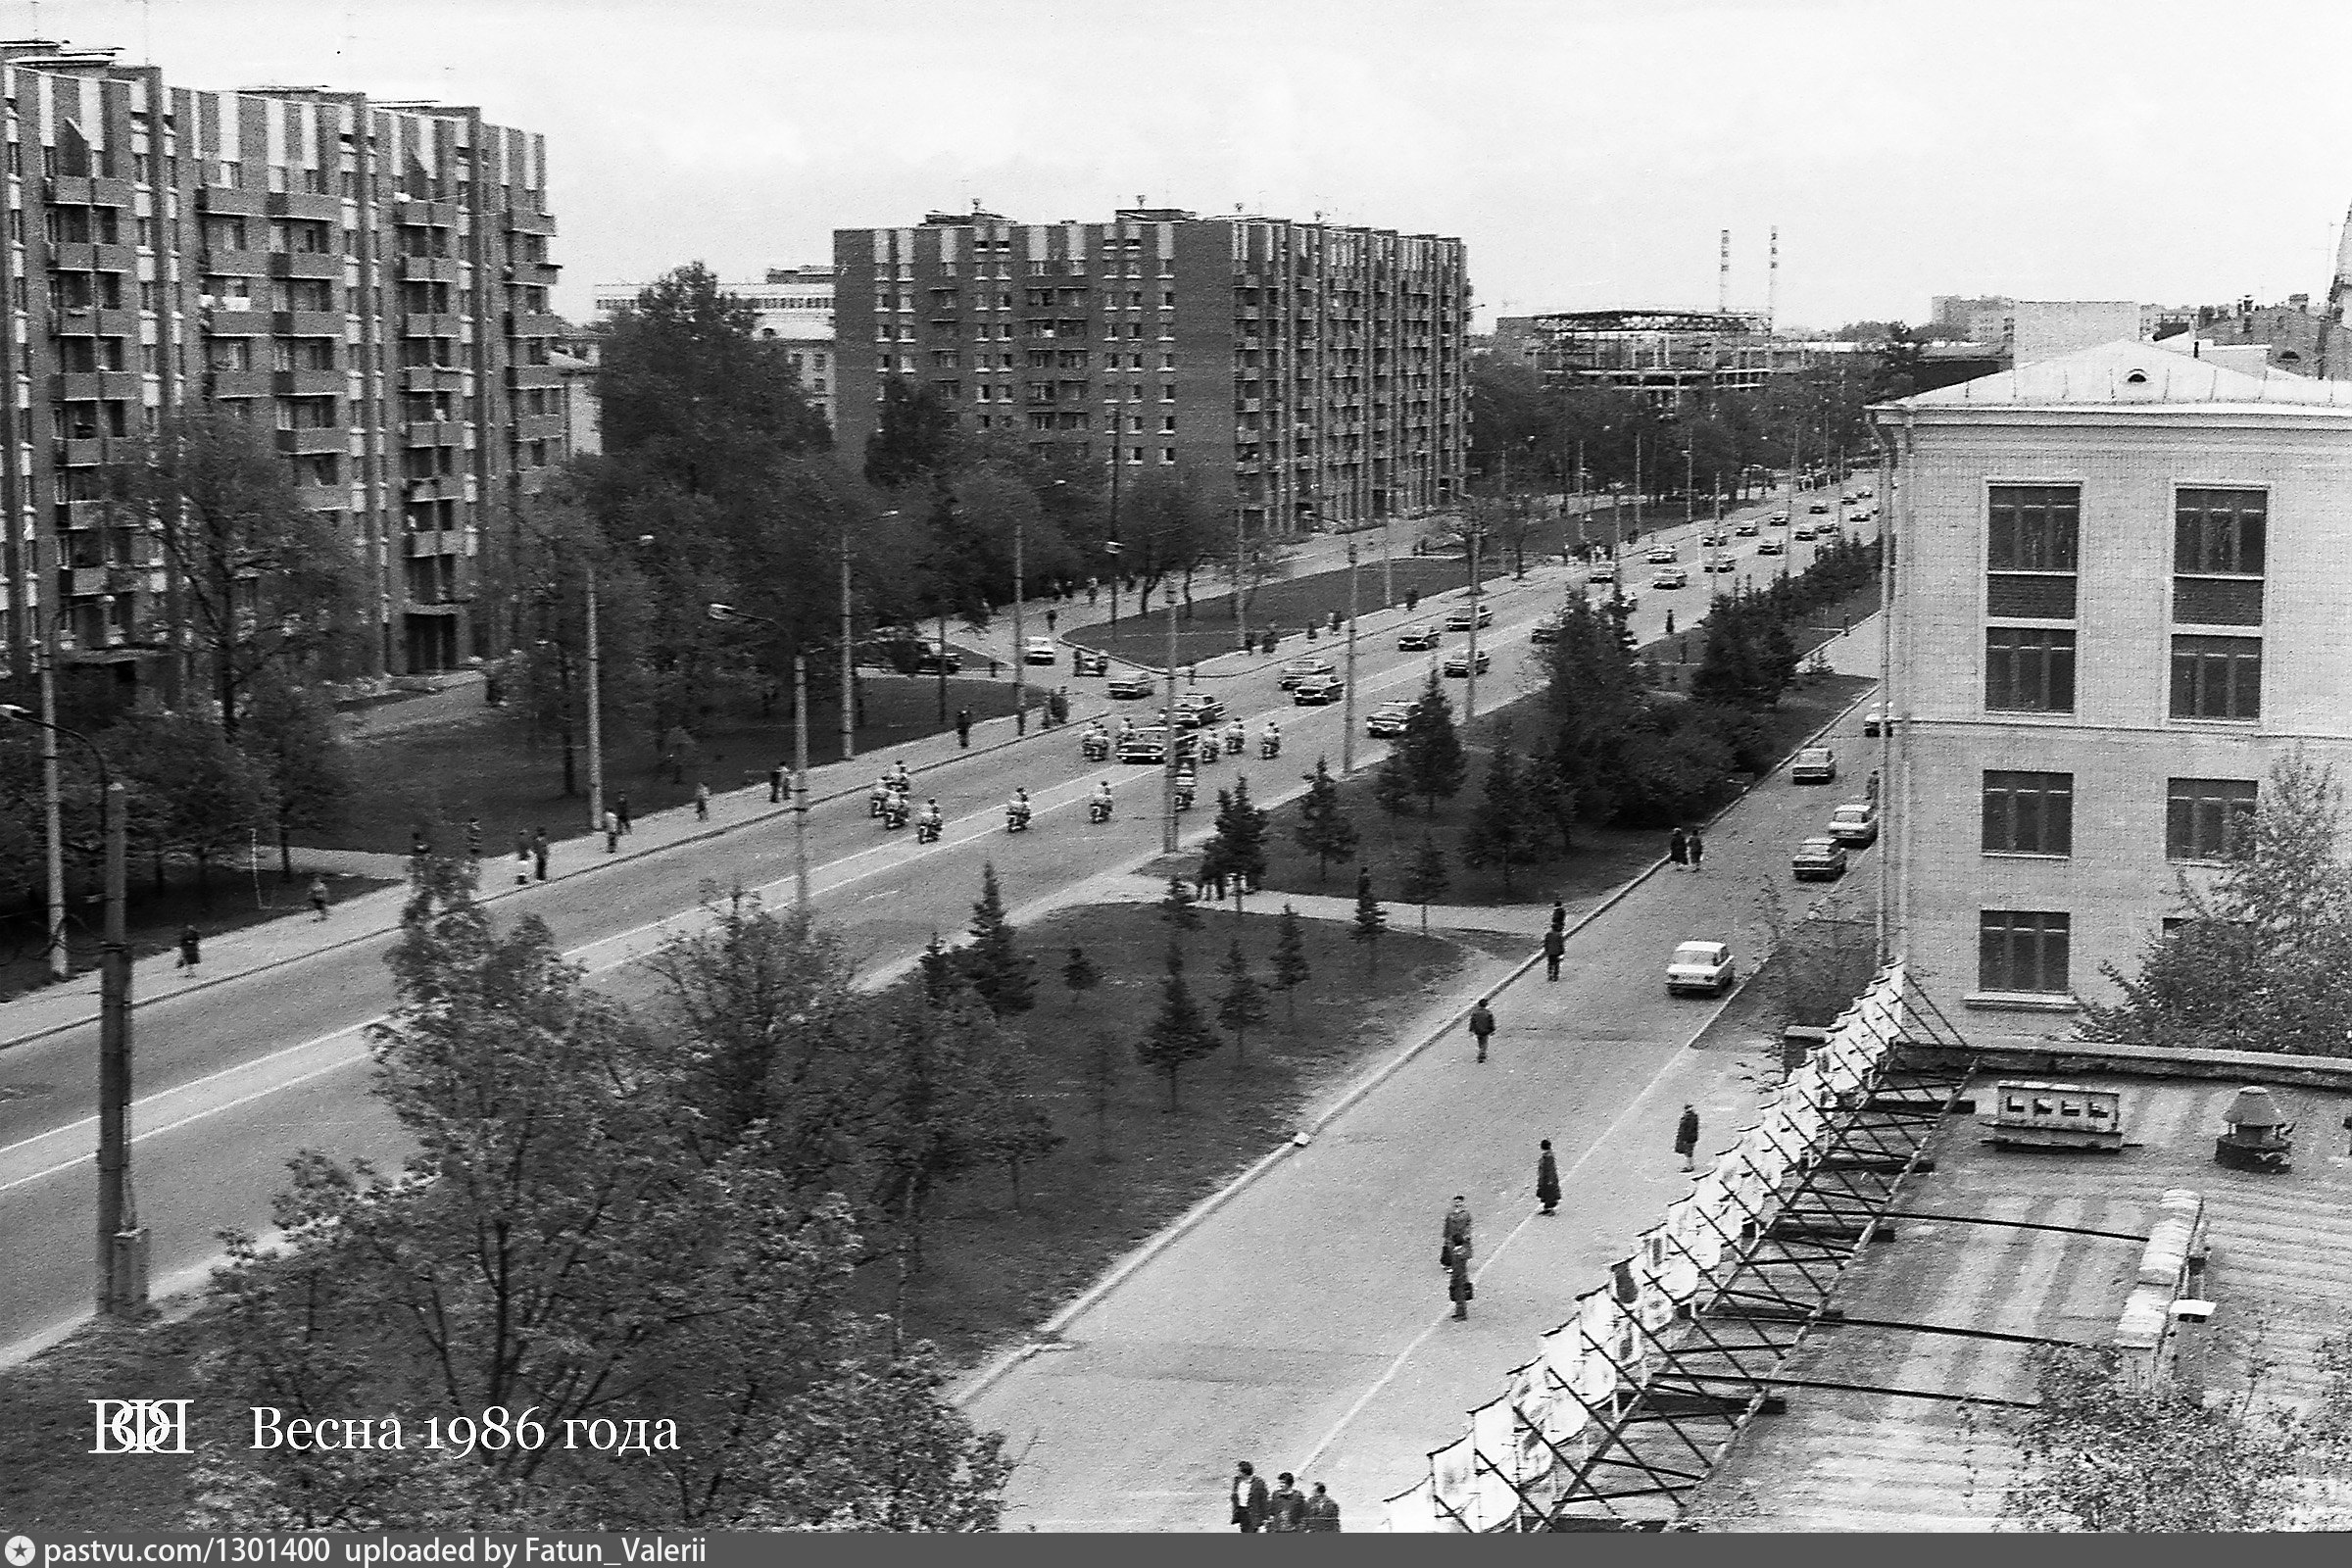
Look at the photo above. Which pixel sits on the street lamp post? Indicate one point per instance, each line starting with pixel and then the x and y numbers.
pixel 121 1240
pixel 1477 602
pixel 596 721
pixel 1347 686
pixel 1167 776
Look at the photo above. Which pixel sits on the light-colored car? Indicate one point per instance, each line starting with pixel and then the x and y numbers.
pixel 1827 524
pixel 1413 639
pixel 1602 571
pixel 1133 684
pixel 1818 506
pixel 1458 663
pixel 1196 709
pixel 1771 547
pixel 1660 554
pixel 1714 537
pixel 1815 764
pixel 1040 651
pixel 1874 721
pixel 1387 721
pixel 1722 563
pixel 1818 859
pixel 1855 822
pixel 1544 631
pixel 1705 966
pixel 1778 519
pixel 1317 690
pixel 1460 620
pixel 1671 577
pixel 1802 531
pixel 1747 530
pixel 1298 669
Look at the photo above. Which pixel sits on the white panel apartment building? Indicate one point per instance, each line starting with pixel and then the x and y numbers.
pixel 2123 589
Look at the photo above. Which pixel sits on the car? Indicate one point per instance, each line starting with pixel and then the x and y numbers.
pixel 1671 577
pixel 931 659
pixel 1458 663
pixel 1040 651
pixel 1874 721
pixel 1771 547
pixel 1544 631
pixel 1083 662
pixel 1720 563
pixel 1818 506
pixel 1660 554
pixel 1747 530
pixel 1828 524
pixel 1412 639
pixel 1855 822
pixel 1815 764
pixel 1196 709
pixel 1135 683
pixel 1715 536
pixel 1701 966
pixel 1387 721
pixel 1317 690
pixel 1298 669
pixel 1863 493
pixel 1460 620
pixel 1818 859
pixel 1150 743
pixel 1803 531
pixel 1602 571
pixel 1778 520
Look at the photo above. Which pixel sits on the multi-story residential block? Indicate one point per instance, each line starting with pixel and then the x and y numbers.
pixel 369 281
pixel 794 305
pixel 1301 374
pixel 2120 599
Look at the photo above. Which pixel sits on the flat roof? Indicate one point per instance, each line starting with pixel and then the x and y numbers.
pixel 2282 1248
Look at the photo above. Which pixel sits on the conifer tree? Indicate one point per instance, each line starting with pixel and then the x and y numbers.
pixel 995 964
pixel 1240 847
pixel 1179 908
pixel 1371 920
pixel 1502 833
pixel 1425 879
pixel 1432 749
pixel 1324 830
pixel 1392 785
pixel 1291 968
pixel 1179 1035
pixel 1243 1005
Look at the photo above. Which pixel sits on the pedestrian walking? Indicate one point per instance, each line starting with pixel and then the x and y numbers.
pixel 318 897
pixel 1698 851
pixel 418 845
pixel 1285 1508
pixel 1678 849
pixel 539 849
pixel 1559 915
pixel 1459 1287
pixel 775 784
pixel 1686 1136
pixel 1322 1511
pixel 522 857
pixel 1454 1233
pixel 612 832
pixel 1481 1025
pixel 1248 1494
pixel 190 953
pixel 702 802
pixel 1548 1179
pixel 1053 621
pixel 620 809
pixel 1093 586
pixel 473 838
pixel 1555 947
pixel 963 727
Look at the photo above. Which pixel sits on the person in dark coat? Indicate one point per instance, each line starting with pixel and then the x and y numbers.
pixel 1686 1136
pixel 191 953
pixel 473 838
pixel 1678 849
pixel 1481 1025
pixel 1559 915
pixel 775 784
pixel 1548 1179
pixel 1285 1508
pixel 1698 851
pixel 620 809
pixel 1322 1511
pixel 1458 1288
pixel 963 727
pixel 318 897
pixel 1454 1239
pixel 539 848
pixel 1555 947
pixel 1248 1499
pixel 522 857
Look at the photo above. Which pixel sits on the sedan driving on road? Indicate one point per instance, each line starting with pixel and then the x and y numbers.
pixel 1802 531
pixel 1818 859
pixel 1196 709
pixel 1771 547
pixel 1460 620
pixel 1544 631
pixel 1040 651
pixel 1602 571
pixel 1701 966
pixel 1387 721
pixel 1855 822
pixel 1660 554
pixel 1715 536
pixel 1720 563
pixel 1317 690
pixel 1413 639
pixel 1458 663
pixel 1671 577
pixel 1135 683
pixel 1747 530
pixel 1150 743
pixel 1298 669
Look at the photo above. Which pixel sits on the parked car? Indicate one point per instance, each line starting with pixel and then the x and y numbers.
pixel 1298 669
pixel 1602 571
pixel 1815 764
pixel 1855 822
pixel 1874 721
pixel 1771 547
pixel 1802 531
pixel 1387 719
pixel 1745 530
pixel 1544 631
pixel 1715 536
pixel 1040 651
pixel 1671 577
pixel 1660 554
pixel 1827 524
pixel 1317 690
pixel 1722 563
pixel 1460 620
pixel 1818 859
pixel 1701 966
pixel 1412 639
pixel 1458 663
pixel 1150 743
pixel 1135 683
pixel 1196 709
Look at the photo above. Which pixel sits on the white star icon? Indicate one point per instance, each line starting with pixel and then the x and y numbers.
pixel 20 1550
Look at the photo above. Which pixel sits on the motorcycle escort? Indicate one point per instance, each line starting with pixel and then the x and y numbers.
pixel 1098 809
pixel 895 813
pixel 1094 745
pixel 1234 740
pixel 926 830
pixel 1016 819
pixel 1269 746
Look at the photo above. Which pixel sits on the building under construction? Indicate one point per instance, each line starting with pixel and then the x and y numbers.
pixel 1665 355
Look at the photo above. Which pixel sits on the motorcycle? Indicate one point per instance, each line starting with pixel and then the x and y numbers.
pixel 1183 798
pixel 894 815
pixel 1016 819
pixel 1097 810
pixel 1095 745
pixel 877 801
pixel 1269 747
pixel 1232 743
pixel 926 831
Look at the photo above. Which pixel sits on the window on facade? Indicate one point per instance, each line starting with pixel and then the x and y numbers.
pixel 2022 950
pixel 2029 671
pixel 2218 550
pixel 2029 813
pixel 2030 551
pixel 2203 817
pixel 2217 677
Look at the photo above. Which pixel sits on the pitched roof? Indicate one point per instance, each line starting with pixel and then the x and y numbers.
pixel 2123 373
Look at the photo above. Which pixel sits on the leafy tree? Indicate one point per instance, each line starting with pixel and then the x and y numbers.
pixel 1166 530
pixel 192 791
pixel 1080 974
pixel 1425 879
pixel 1371 920
pixel 1101 1086
pixel 1819 964
pixel 994 964
pixel 914 435
pixel 936 1110
pixel 1324 830
pixel 1243 1005
pixel 291 733
pixel 1504 831
pixel 1392 785
pixel 1240 845
pixel 1431 752
pixel 1018 1129
pixel 1177 1035
pixel 1291 970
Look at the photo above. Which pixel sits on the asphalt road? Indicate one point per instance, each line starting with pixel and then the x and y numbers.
pixel 232 1079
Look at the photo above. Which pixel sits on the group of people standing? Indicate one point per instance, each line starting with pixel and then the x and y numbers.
pixel 1284 1511
pixel 1687 849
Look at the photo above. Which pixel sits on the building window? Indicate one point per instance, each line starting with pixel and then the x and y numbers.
pixel 1167 454
pixel 2217 547
pixel 2203 817
pixel 2022 950
pixel 2030 551
pixel 2029 813
pixel 2029 671
pixel 2217 677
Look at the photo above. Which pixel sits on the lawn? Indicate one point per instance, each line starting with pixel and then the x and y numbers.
pixel 488 766
pixel 1287 607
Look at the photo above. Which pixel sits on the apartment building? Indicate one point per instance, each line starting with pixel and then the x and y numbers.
pixel 2120 598
pixel 367 280
pixel 1301 374
pixel 795 307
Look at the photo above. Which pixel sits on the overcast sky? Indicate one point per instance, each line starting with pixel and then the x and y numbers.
pixel 1589 153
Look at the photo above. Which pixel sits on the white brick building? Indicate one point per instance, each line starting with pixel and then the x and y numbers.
pixel 2123 589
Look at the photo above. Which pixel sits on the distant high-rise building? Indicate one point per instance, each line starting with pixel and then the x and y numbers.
pixel 1303 373
pixel 367 280
pixel 794 305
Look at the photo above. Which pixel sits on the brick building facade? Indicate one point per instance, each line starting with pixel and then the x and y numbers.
pixel 1300 373
pixel 368 281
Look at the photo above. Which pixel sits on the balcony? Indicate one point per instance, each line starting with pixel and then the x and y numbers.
pixel 228 199
pixel 84 386
pixel 437 487
pixel 84 513
pixel 539 427
pixel 431 378
pixel 307 263
pixel 76 190
pixel 316 438
pixel 312 203
pixel 236 263
pixel 439 433
pixel 523 376
pixel 84 451
pixel 308 324
pixel 310 384
pixel 219 322
pixel 531 224
pixel 72 255
pixel 429 325
pixel 426 268
pixel 546 274
pixel 524 323
pixel 437 542
pixel 428 214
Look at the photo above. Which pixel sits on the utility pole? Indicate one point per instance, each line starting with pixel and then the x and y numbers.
pixel 1241 599
pixel 60 962
pixel 1113 551
pixel 849 656
pixel 1347 681
pixel 121 1241
pixel 1167 772
pixel 1477 603
pixel 799 779
pixel 595 729
pixel 1020 627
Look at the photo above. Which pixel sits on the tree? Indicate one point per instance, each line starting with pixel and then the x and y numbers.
pixel 192 791
pixel 1425 879
pixel 1371 920
pixel 1324 830
pixel 1392 785
pixel 1101 1086
pixel 2262 961
pixel 1080 974
pixel 914 435
pixel 1177 1035
pixel 1291 968
pixel 1243 1005
pixel 1431 752
pixel 291 733
pixel 1166 530
pixel 994 964
pixel 1018 1129
pixel 1504 832
pixel 1818 965
pixel 1240 845
pixel 936 1112
pixel 1179 907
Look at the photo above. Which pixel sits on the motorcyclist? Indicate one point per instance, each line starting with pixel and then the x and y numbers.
pixel 880 797
pixel 1126 726
pixel 1100 806
pixel 1236 737
pixel 1269 739
pixel 899 779
pixel 1018 808
pixel 930 822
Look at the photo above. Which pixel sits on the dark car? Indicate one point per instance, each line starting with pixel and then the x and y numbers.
pixel 1317 690
pixel 1544 631
pixel 930 659
pixel 1084 662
